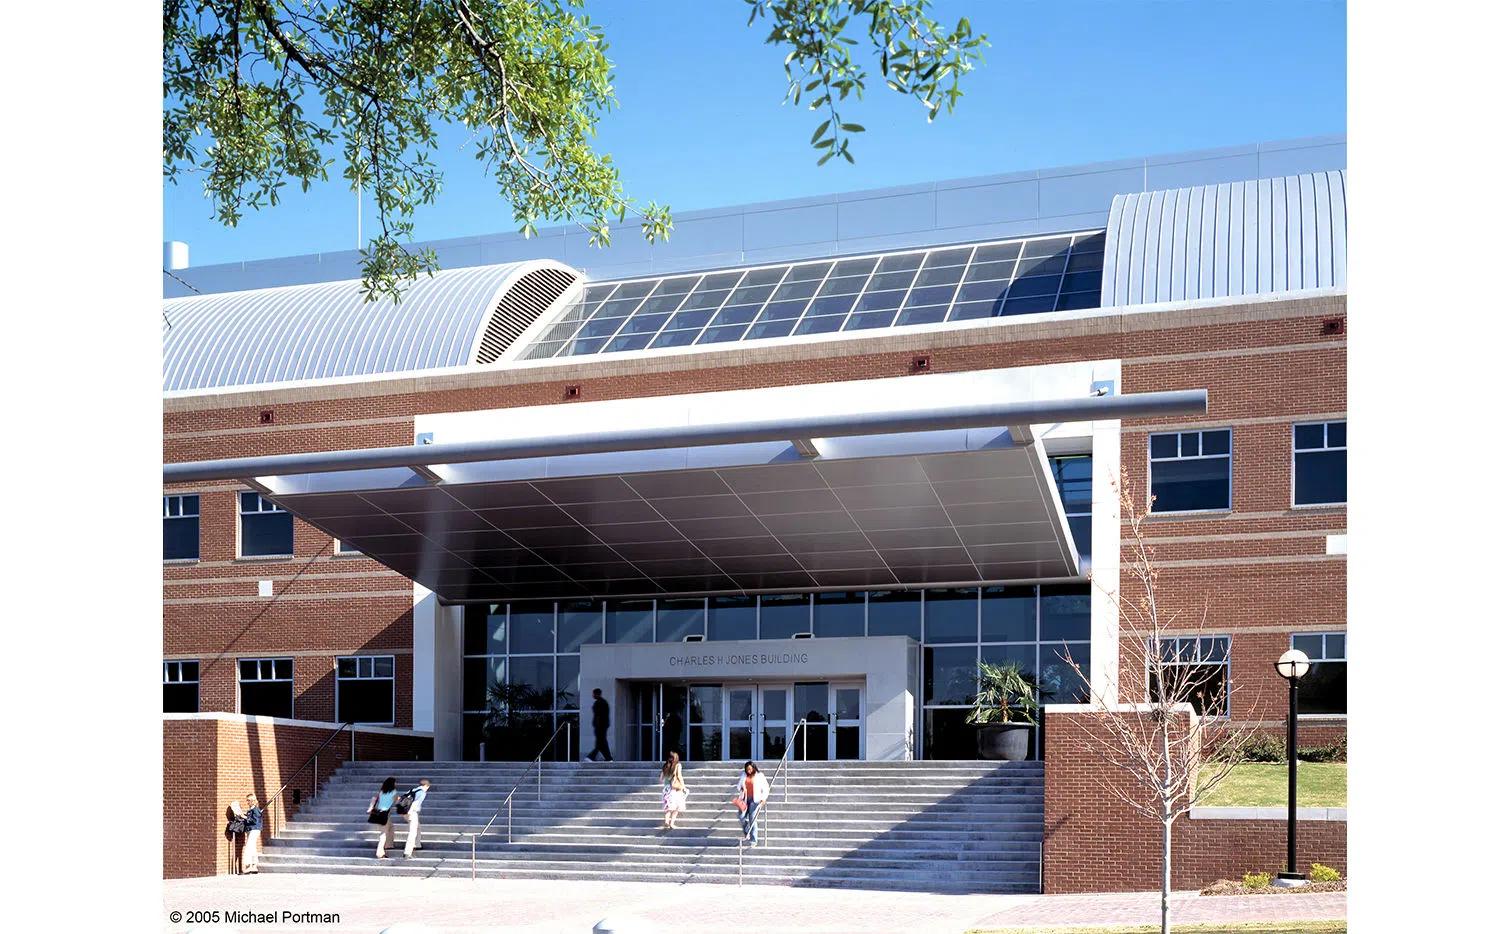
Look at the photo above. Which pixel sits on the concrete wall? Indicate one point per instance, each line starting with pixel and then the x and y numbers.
pixel 1047 200
pixel 887 664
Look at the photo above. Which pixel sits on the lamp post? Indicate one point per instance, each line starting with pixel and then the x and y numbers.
pixel 1292 665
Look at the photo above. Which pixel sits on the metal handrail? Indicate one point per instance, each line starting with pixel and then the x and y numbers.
pixel 509 798
pixel 276 802
pixel 799 728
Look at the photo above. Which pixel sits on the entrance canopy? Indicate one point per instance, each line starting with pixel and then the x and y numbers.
pixel 869 484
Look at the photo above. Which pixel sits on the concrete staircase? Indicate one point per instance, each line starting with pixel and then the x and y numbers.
pixel 921 826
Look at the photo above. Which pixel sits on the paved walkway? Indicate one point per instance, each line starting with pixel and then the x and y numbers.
pixel 445 906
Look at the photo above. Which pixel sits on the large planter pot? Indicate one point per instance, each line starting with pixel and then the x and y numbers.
pixel 1004 742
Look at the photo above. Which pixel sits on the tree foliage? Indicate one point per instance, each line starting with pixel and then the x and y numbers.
pixel 261 94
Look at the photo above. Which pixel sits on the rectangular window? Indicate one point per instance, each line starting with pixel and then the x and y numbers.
pixel 267 531
pixel 1319 464
pixel 1194 669
pixel 267 686
pixel 342 548
pixel 1073 479
pixel 181 538
pixel 1190 471
pixel 365 689
pixel 1323 690
pixel 180 687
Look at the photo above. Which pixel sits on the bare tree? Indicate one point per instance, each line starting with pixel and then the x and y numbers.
pixel 1167 753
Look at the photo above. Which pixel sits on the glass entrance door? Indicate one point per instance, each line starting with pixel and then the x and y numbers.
pixel 740 702
pixel 706 720
pixel 811 702
pixel 848 712
pixel 776 721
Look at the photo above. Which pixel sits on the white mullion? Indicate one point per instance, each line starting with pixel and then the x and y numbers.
pixel 588 316
pixel 757 316
pixel 701 278
pixel 644 298
pixel 856 302
pixel 903 302
pixel 964 270
pixel 710 323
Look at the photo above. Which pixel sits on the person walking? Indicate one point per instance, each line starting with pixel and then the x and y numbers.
pixel 379 812
pixel 674 791
pixel 251 818
pixel 412 817
pixel 751 791
pixel 600 727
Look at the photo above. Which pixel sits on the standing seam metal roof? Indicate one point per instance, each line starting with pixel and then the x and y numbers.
pixel 1242 238
pixel 326 330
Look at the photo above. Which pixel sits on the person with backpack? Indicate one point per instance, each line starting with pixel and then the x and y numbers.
pixel 249 820
pixel 411 810
pixel 379 813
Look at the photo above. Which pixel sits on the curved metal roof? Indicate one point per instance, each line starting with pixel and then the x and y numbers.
pixel 1242 238
pixel 326 330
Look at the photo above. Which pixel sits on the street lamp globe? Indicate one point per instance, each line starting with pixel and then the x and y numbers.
pixel 1292 664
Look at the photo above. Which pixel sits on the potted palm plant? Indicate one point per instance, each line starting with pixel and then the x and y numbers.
pixel 1004 711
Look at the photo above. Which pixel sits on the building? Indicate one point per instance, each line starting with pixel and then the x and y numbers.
pixel 807 461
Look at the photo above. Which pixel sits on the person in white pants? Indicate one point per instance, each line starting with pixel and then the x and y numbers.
pixel 412 842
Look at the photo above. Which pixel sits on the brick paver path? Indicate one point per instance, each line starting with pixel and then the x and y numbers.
pixel 443 906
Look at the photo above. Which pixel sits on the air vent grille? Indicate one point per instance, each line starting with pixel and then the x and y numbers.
pixel 521 305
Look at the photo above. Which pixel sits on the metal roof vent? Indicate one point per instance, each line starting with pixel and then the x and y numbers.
pixel 521 305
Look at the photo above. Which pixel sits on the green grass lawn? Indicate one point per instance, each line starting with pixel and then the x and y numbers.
pixel 1263 784
pixel 1287 927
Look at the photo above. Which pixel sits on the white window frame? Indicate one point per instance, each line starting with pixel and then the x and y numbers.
pixel 1151 460
pixel 180 497
pixel 1326 447
pixel 344 552
pixel 371 666
pixel 1343 636
pixel 242 512
pixel 1158 656
pixel 272 677
pixel 177 666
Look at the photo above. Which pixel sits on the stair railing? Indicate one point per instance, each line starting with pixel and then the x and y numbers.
pixel 507 807
pixel 275 804
pixel 776 776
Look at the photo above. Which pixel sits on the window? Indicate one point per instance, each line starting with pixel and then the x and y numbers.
pixel 1198 665
pixel 343 548
pixel 267 531
pixel 1322 691
pixel 1190 470
pixel 267 686
pixel 181 528
pixel 1318 464
pixel 365 689
pixel 1073 479
pixel 180 687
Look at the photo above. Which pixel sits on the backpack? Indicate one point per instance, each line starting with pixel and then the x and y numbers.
pixel 403 802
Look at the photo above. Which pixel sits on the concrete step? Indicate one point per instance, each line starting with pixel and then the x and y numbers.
pixel 461 868
pixel 924 826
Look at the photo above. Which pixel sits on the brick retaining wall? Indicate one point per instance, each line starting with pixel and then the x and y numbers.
pixel 209 761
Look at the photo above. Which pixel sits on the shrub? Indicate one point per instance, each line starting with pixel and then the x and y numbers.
pixel 1256 880
pixel 1262 747
pixel 1333 752
pixel 1321 873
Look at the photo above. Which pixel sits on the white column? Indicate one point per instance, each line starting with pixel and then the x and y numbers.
pixel 1107 459
pixel 438 673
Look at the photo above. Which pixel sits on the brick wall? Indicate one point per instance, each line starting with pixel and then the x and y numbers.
pixel 1096 843
pixel 211 761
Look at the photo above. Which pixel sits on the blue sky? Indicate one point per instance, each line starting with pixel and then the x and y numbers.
pixel 701 121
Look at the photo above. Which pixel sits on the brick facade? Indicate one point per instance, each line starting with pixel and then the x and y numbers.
pixel 208 762
pixel 1260 569
pixel 1096 843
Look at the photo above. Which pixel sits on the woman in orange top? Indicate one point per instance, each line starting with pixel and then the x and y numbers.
pixel 751 790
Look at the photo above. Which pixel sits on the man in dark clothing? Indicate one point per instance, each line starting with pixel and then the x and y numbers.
pixel 600 726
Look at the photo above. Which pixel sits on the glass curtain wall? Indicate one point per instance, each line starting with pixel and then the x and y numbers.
pixel 520 666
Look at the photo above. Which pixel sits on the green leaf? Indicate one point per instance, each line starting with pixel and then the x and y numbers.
pixel 853 128
pixel 819 132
